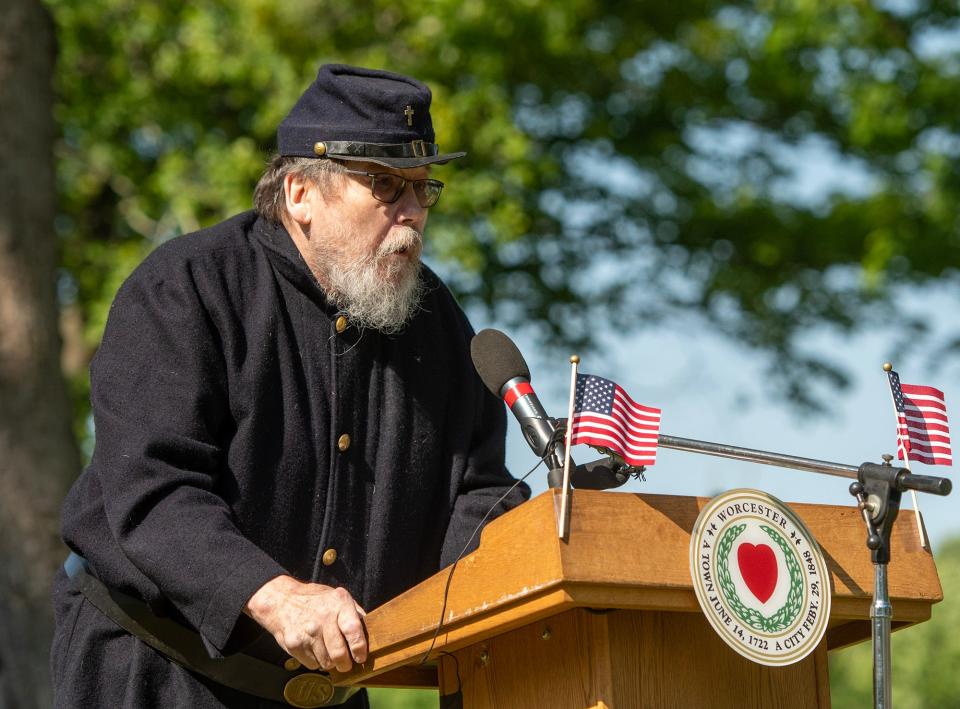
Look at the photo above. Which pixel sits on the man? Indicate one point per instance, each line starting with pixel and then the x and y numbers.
pixel 289 428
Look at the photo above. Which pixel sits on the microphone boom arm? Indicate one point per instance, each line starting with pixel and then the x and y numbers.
pixel 905 480
pixel 751 455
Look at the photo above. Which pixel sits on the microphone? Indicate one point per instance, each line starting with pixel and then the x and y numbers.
pixel 505 373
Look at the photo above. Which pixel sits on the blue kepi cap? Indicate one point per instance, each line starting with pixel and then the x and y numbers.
pixel 352 113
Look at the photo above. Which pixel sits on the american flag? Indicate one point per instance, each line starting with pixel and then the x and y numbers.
pixel 922 430
pixel 605 416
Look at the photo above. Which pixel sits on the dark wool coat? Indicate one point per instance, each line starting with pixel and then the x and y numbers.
pixel 220 393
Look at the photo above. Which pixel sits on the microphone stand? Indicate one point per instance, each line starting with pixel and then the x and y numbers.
pixel 878 490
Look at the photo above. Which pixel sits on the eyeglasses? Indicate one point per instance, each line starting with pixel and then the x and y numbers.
pixel 387 187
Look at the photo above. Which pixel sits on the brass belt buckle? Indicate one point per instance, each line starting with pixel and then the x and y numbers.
pixel 419 149
pixel 308 690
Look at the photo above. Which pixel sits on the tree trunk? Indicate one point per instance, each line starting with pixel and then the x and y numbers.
pixel 38 453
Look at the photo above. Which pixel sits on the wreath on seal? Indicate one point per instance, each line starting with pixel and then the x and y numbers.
pixel 780 620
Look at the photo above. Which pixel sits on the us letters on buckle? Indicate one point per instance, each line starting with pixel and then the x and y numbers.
pixel 308 690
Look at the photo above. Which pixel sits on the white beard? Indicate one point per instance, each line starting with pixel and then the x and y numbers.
pixel 378 291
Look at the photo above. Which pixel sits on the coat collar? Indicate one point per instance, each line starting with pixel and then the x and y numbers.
pixel 286 258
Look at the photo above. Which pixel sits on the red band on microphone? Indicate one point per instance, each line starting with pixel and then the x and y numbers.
pixel 516 391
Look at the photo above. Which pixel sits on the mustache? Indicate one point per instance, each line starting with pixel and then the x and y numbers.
pixel 402 239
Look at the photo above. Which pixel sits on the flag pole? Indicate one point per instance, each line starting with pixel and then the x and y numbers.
pixel 888 367
pixel 564 527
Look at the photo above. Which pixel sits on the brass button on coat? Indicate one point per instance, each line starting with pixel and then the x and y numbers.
pixel 343 443
pixel 329 556
pixel 341 324
pixel 292 664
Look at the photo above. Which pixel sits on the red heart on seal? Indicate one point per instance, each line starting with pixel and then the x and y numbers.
pixel 758 566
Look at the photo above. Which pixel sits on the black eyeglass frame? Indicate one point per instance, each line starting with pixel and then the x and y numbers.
pixel 403 184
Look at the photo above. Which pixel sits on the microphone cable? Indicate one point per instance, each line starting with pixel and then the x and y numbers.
pixel 463 551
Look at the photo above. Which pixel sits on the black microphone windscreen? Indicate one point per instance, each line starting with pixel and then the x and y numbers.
pixel 497 359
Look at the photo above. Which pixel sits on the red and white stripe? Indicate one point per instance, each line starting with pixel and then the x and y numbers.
pixel 923 431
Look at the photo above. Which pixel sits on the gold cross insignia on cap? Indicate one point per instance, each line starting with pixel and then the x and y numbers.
pixel 408 112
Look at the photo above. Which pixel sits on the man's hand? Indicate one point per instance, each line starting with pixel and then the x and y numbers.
pixel 319 625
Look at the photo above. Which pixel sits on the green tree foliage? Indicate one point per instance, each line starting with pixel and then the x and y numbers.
pixel 925 657
pixel 628 161
pixel 403 698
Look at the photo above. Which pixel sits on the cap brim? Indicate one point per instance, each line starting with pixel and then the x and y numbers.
pixel 400 163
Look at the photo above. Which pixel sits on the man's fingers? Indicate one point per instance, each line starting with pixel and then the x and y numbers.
pixel 351 626
pixel 323 657
pixel 301 650
pixel 336 648
pixel 307 659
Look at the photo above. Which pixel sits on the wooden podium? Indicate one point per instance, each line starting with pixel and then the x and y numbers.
pixel 609 618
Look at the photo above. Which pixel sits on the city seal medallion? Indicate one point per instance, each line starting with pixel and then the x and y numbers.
pixel 760 577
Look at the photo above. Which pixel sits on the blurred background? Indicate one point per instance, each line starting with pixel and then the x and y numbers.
pixel 738 211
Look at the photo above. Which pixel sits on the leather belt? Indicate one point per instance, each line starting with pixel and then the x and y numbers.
pixel 184 647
